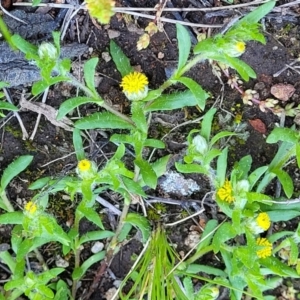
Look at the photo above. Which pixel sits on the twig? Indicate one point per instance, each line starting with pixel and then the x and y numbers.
pixel 39 114
pixel 25 134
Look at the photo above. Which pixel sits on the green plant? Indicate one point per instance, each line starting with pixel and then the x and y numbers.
pixel 247 257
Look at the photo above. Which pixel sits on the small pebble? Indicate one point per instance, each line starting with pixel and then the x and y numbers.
pixel 97 247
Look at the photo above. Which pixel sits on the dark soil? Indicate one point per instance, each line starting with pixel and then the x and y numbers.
pixel 52 145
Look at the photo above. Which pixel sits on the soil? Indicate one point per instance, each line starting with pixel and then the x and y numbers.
pixel 52 146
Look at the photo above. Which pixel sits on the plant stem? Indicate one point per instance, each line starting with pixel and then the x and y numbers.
pixel 102 103
pixel 76 255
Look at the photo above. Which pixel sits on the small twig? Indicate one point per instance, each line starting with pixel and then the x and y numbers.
pixel 12 16
pixel 39 115
pixel 108 205
pixel 286 67
pixel 25 134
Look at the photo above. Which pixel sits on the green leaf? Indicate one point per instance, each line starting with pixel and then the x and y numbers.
pixel 242 68
pixel 138 116
pixel 154 143
pixel 24 46
pixel 91 215
pixel 225 232
pixel 148 174
pixel 15 168
pixel 282 215
pixel 15 217
pixel 72 103
pixel 221 135
pixel 120 59
pixel 196 268
pixel 191 168
pixel 80 271
pixel 282 134
pixel 207 123
pixel 255 175
pixel 298 154
pixel 96 235
pixel 257 14
pixel 222 166
pixel 141 223
pixel 89 74
pixel 275 266
pixel 172 101
pixel 8 106
pixel 286 181
pixel 184 45
pixel 78 144
pixel 3 84
pixel 199 94
pixel 104 120
pixel 152 95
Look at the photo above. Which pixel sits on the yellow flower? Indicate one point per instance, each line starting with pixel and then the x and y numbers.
pixel 225 192
pixel 240 47
pixel 102 10
pixel 30 207
pixel 263 221
pixel 84 165
pixel 135 86
pixel 265 248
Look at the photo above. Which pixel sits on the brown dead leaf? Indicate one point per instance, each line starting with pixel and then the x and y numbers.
pixel 258 125
pixel 282 91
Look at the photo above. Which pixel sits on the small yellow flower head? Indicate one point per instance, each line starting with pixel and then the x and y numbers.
pixel 86 169
pixel 225 192
pixel 102 10
pixel 135 86
pixel 240 47
pixel 30 207
pixel 84 165
pixel 263 221
pixel 259 223
pixel 265 248
pixel 235 48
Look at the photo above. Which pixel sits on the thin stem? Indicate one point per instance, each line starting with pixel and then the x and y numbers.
pixel 76 254
pixel 102 103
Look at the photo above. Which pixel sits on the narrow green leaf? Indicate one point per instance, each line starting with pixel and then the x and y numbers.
pixel 221 135
pixel 184 45
pixel 191 168
pixel 78 144
pixel 15 168
pixel 298 154
pixel 91 215
pixel 23 45
pixel 120 59
pixel 141 223
pixel 148 174
pixel 222 166
pixel 258 13
pixel 72 103
pixel 89 74
pixel 8 106
pixel 15 217
pixel 173 101
pixel 286 181
pixel 225 232
pixel 206 124
pixel 199 94
pixel 154 143
pixel 105 120
pixel 255 175
pixel 80 271
pixel 95 235
pixel 283 215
